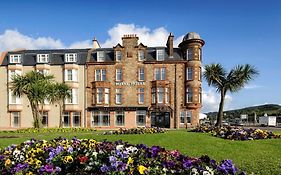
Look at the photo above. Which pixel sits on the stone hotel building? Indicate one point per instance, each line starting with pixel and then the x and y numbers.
pixel 129 85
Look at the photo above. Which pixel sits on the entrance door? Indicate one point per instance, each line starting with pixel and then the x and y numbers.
pixel 160 119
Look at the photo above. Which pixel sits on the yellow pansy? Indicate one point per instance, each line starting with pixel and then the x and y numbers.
pixel 67 159
pixel 130 161
pixel 142 169
pixel 8 162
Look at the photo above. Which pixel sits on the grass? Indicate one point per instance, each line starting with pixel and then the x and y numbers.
pixel 258 156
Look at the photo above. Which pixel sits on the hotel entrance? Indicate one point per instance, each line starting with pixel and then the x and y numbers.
pixel 160 119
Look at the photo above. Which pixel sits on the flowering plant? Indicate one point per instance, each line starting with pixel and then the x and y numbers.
pixel 237 133
pixel 50 130
pixel 139 130
pixel 87 156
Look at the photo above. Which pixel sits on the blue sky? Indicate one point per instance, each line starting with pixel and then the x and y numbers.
pixel 235 32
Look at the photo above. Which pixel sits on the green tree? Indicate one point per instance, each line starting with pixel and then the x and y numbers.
pixel 57 94
pixel 224 81
pixel 34 86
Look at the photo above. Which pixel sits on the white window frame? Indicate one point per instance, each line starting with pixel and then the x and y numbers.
pixel 46 115
pixel 153 95
pixel 160 73
pixel 141 95
pixel 106 96
pixel 141 55
pixel 71 75
pixel 15 58
pixel 13 116
pixel 141 74
pixel 189 73
pixel 118 96
pixel 99 115
pixel 76 114
pixel 189 95
pixel 100 75
pixel 43 71
pixel 14 100
pixel 160 95
pixel 42 58
pixel 70 57
pixel 100 56
pixel 167 95
pixel 74 97
pixel 12 73
pixel 118 55
pixel 189 54
pixel 118 74
pixel 66 114
pixel 138 114
pixel 199 73
pixel 182 117
pixel 160 54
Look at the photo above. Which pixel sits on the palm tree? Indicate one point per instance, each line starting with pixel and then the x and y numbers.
pixel 33 84
pixel 225 81
pixel 57 94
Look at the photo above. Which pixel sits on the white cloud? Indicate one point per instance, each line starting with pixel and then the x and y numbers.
pixel 12 39
pixel 81 44
pixel 211 100
pixel 155 37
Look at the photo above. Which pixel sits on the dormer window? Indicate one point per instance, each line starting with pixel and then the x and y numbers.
pixel 42 58
pixel 100 56
pixel 15 58
pixel 70 57
pixel 160 55
pixel 189 54
pixel 118 55
pixel 141 55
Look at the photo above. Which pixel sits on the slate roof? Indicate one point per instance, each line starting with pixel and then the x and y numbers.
pixel 56 56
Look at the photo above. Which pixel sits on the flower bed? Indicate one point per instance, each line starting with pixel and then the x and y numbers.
pixel 238 133
pixel 50 130
pixel 87 156
pixel 143 130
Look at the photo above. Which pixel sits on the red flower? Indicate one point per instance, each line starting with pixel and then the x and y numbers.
pixel 83 159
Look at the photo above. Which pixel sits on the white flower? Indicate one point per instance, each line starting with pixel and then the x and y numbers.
pixel 119 147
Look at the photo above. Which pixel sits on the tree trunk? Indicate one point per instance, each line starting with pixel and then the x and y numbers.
pixel 220 112
pixel 35 123
pixel 60 124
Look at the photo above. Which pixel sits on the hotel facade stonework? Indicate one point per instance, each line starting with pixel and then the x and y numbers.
pixel 128 85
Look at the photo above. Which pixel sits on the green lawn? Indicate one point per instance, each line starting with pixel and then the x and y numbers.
pixel 259 156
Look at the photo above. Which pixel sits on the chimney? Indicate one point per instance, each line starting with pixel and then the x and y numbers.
pixel 96 44
pixel 130 40
pixel 170 45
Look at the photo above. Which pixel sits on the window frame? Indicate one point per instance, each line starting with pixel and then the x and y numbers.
pixel 122 114
pixel 138 114
pixel 70 57
pixel 42 58
pixel 100 56
pixel 118 56
pixel 15 58
pixel 141 93
pixel 141 56
pixel 118 74
pixel 141 74
pixel 118 95
pixel 160 54
pixel 99 115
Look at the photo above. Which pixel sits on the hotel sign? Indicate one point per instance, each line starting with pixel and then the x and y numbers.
pixel 134 83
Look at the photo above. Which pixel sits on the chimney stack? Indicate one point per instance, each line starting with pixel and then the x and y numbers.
pixel 170 45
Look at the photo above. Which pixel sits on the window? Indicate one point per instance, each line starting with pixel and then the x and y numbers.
pixel 100 56
pixel 140 95
pixel 15 119
pixel 141 74
pixel 66 119
pixel 141 118
pixel 43 71
pixel 45 119
pixel 118 75
pixel 160 95
pixel 118 96
pixel 70 75
pixel 70 57
pixel 119 118
pixel 15 58
pixel 74 97
pixel 188 116
pixel 12 73
pixel 167 95
pixel 100 75
pixel 102 95
pixel 189 54
pixel 76 119
pixel 189 95
pixel 100 118
pixel 153 95
pixel 160 73
pixel 118 55
pixel 160 55
pixel 182 116
pixel 42 58
pixel 199 55
pixel 13 99
pixel 141 55
pixel 189 73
